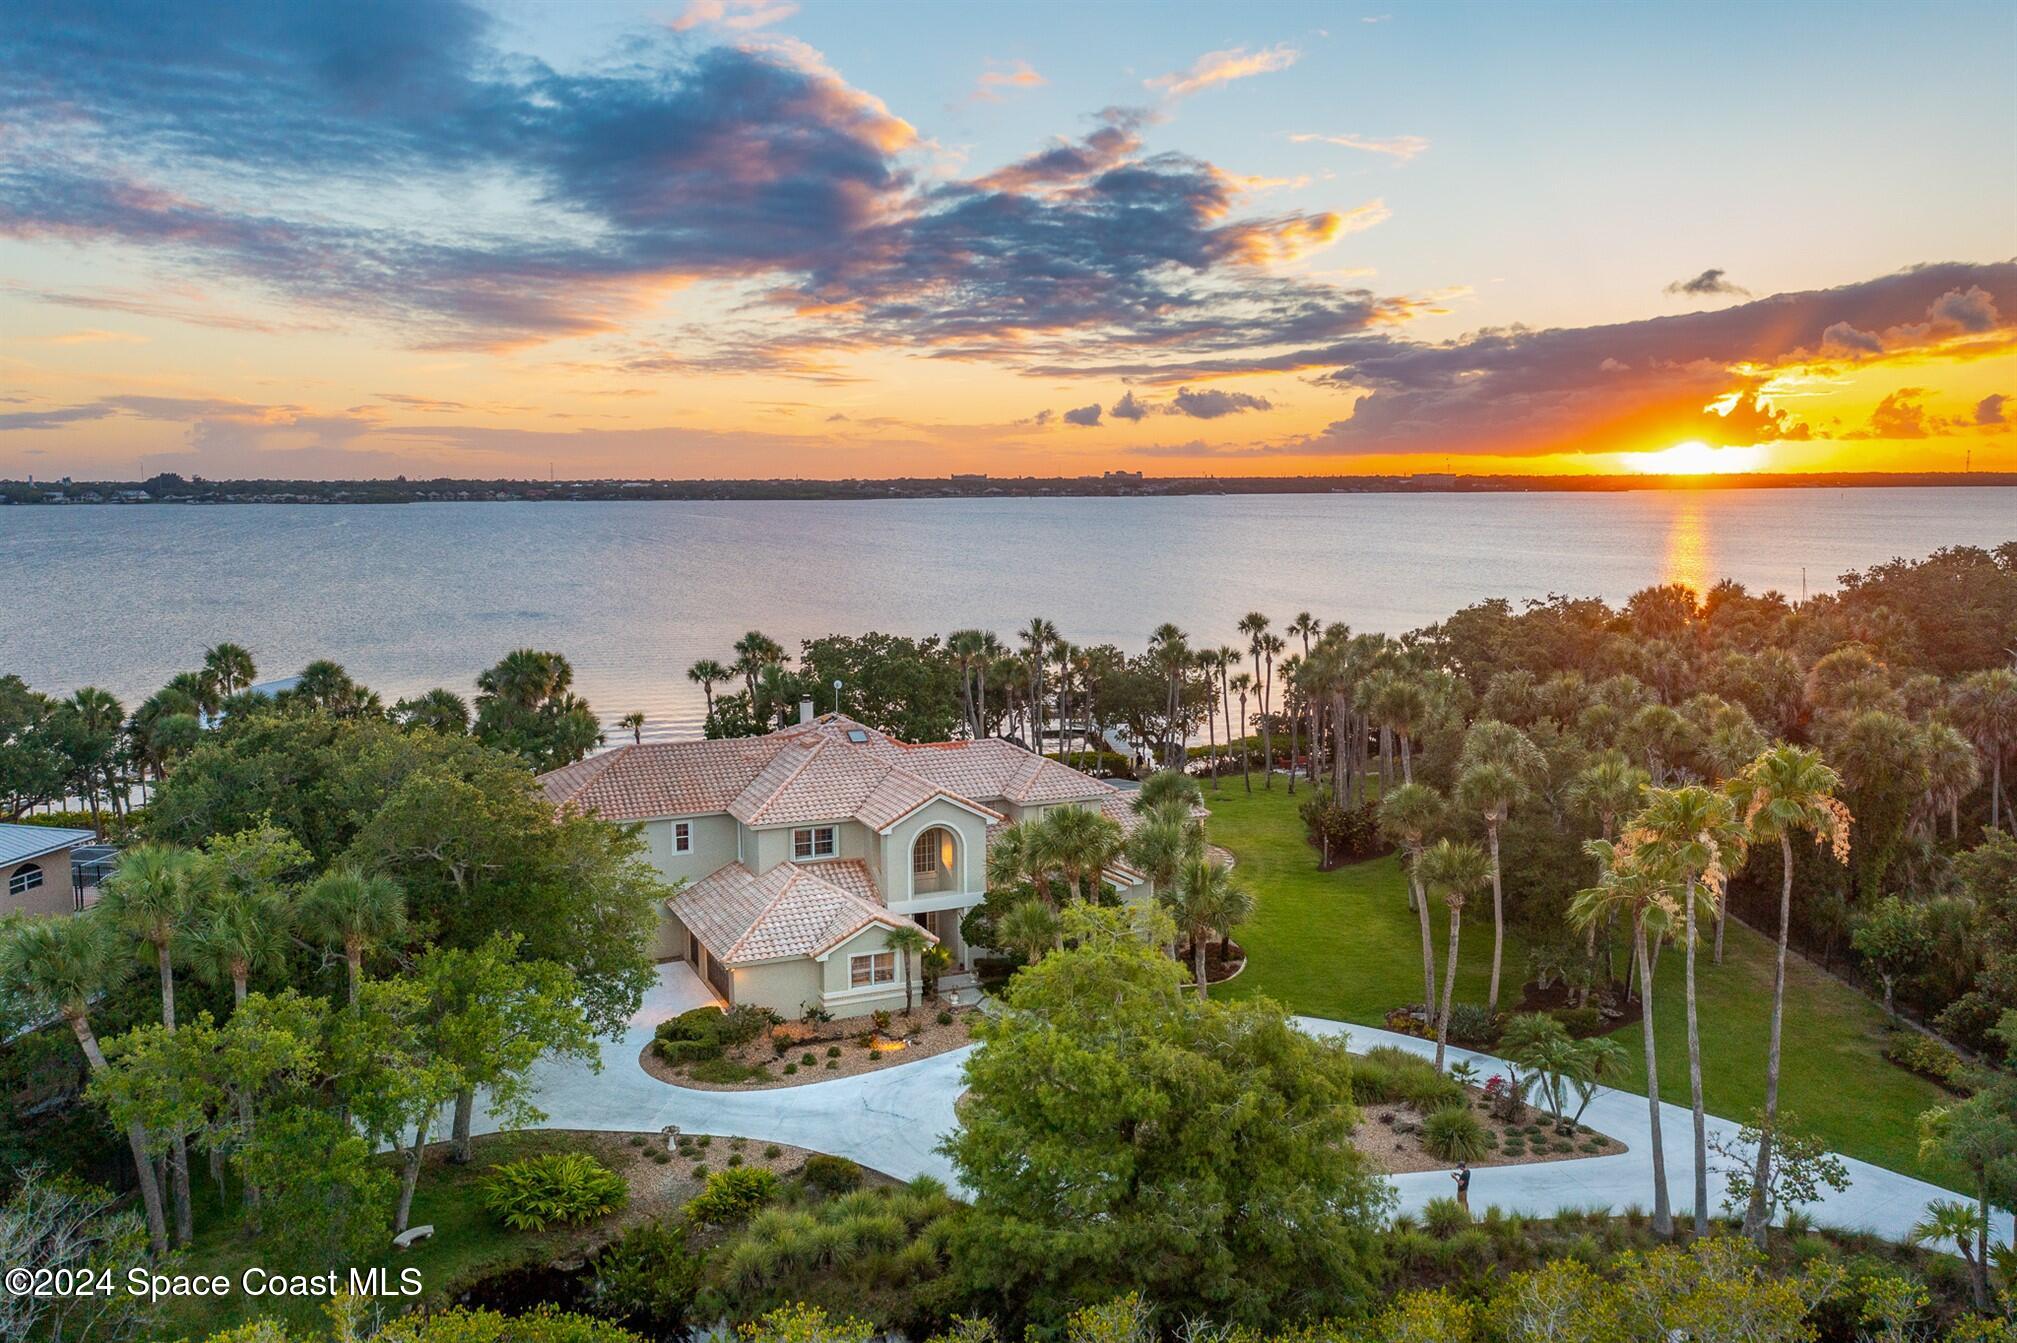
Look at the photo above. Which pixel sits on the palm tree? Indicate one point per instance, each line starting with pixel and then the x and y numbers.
pixel 1228 658
pixel 1292 702
pixel 1630 883
pixel 1985 707
pixel 707 673
pixel 1452 869
pixel 969 650
pixel 1699 839
pixel 1206 900
pixel 1206 660
pixel 1241 684
pixel 347 910
pixel 59 966
pixel 633 722
pixel 152 899
pixel 1018 854
pixel 1400 704
pixel 1787 790
pixel 1499 765
pixel 1030 927
pixel 99 717
pixel 1953 771
pixel 1611 787
pixel 1408 815
pixel 439 710
pixel 1271 646
pixel 1037 638
pixel 229 668
pixel 1084 842
pixel 240 933
pixel 906 941
pixel 1950 1221
pixel 753 652
pixel 1169 649
pixel 1165 840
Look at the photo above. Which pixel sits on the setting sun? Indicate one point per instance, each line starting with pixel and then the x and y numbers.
pixel 1695 458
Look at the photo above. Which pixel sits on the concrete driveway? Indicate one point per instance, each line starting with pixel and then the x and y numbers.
pixel 889 1120
pixel 892 1121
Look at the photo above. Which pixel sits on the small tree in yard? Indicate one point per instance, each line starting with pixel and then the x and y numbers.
pixel 1802 1167
pixel 390 1077
pixel 907 942
pixel 1980 1136
pixel 493 1017
pixel 1894 937
pixel 68 1228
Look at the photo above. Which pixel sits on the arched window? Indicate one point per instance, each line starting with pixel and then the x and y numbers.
pixel 934 862
pixel 24 879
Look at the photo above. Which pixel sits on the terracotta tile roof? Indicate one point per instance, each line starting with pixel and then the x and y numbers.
pixel 679 778
pixel 792 910
pixel 832 768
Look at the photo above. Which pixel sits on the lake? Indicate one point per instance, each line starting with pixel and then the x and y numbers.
pixel 418 595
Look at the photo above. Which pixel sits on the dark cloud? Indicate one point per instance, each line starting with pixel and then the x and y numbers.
pixel 1085 416
pixel 1514 390
pixel 1989 410
pixel 1130 407
pixel 1212 402
pixel 1708 283
pixel 52 419
pixel 158 127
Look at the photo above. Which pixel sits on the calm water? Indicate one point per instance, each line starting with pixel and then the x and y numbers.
pixel 414 596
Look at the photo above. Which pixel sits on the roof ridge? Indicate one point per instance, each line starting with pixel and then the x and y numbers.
pixel 811 754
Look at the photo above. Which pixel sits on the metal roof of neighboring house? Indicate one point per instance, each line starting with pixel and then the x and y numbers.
pixel 794 909
pixel 19 843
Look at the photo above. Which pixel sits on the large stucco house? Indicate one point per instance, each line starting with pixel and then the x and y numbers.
pixel 801 850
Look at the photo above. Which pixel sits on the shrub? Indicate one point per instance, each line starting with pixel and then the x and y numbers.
pixel 773 1152
pixel 732 1195
pixel 807 1060
pixel 1581 1022
pixel 564 1187
pixel 702 1023
pixel 790 1069
pixel 735 1159
pixel 740 1025
pixel 1471 1024
pixel 882 1019
pixel 944 1017
pixel 781 1043
pixel 645 1278
pixel 1929 1058
pixel 1454 1134
pixel 1445 1217
pixel 676 1051
pixel 831 1174
pixel 833 1051
pixel 1341 834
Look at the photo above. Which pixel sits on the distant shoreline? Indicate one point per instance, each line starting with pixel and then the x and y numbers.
pixel 169 489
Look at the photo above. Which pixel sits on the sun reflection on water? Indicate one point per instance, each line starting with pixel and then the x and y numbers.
pixel 1688 557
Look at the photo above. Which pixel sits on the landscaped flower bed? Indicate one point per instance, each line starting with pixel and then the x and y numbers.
pixel 1413 1118
pixel 795 1053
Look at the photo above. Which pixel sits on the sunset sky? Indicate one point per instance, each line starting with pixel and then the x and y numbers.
pixel 761 238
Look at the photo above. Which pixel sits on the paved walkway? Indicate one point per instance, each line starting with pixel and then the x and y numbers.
pixel 892 1121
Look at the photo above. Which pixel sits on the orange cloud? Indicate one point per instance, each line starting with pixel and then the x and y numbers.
pixel 1222 67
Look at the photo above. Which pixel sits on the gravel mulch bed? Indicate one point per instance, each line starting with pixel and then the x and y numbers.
pixel 1381 1135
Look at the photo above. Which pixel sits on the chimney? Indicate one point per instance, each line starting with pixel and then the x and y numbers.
pixel 805 710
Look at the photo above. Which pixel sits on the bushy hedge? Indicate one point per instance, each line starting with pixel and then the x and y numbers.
pixel 1342 834
pixel 703 1033
pixel 831 1174
pixel 564 1187
pixel 732 1195
pixel 1387 1075
pixel 1930 1059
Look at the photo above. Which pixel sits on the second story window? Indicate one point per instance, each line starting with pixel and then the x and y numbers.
pixel 682 837
pixel 816 841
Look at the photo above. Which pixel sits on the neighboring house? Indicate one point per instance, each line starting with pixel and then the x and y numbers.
pixel 35 875
pixel 802 849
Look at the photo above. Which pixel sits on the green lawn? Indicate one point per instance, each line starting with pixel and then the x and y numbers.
pixel 1345 945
